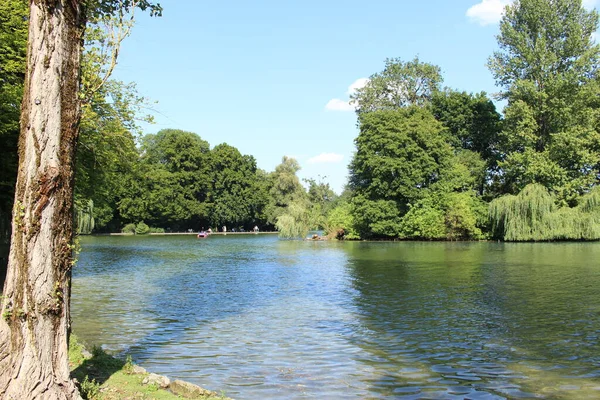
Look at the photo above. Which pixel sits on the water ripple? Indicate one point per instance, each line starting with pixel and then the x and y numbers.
pixel 262 318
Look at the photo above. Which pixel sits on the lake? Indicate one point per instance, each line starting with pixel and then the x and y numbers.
pixel 257 317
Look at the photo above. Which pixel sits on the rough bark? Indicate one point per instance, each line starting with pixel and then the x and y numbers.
pixel 34 326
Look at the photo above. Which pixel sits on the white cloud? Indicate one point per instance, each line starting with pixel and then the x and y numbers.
pixel 488 11
pixel 357 84
pixel 346 105
pixel 322 158
pixel 339 105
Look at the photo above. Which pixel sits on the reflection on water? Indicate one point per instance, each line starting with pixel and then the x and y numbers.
pixel 263 318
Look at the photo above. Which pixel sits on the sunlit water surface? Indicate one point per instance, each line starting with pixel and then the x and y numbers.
pixel 258 318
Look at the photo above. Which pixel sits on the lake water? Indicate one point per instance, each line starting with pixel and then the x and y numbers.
pixel 261 318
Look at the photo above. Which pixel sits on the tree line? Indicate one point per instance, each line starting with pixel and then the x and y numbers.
pixel 175 181
pixel 431 162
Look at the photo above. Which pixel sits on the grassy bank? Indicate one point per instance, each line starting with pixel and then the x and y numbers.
pixel 104 377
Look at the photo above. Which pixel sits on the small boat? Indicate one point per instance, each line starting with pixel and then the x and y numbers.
pixel 202 235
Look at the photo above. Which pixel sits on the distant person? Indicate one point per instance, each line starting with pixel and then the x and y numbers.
pixel 209 230
pixel 255 229
pixel 224 229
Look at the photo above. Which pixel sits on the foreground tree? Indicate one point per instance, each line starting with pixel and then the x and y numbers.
pixel 34 327
pixel 35 309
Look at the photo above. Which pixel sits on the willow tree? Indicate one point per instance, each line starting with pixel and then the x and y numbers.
pixel 532 215
pixel 295 222
pixel 35 323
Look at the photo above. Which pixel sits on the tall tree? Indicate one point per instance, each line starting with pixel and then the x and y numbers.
pixel 34 327
pixel 548 67
pixel 35 322
pixel 108 129
pixel 400 155
pixel 235 196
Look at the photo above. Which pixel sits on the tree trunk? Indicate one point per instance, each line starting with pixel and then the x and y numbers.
pixel 35 321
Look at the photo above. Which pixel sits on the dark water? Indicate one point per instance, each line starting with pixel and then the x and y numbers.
pixel 261 318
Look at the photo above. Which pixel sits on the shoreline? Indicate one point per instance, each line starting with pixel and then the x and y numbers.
pixel 102 376
pixel 182 234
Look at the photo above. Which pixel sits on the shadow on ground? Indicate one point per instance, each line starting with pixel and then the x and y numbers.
pixel 99 367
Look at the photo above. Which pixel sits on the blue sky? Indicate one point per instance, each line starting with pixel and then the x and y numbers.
pixel 259 75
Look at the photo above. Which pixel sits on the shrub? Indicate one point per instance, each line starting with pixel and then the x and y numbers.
pixel 142 228
pixel 340 220
pixel 424 220
pixel 89 389
pixel 294 223
pixel 129 228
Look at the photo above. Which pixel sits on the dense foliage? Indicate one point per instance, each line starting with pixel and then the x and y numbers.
pixel 547 66
pixel 426 162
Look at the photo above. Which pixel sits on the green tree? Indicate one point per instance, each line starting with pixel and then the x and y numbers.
pixel 399 154
pixel 321 199
pixel 408 181
pixel 110 111
pixel 547 65
pixel 445 215
pixel 472 120
pixel 340 222
pixel 294 222
pixel 285 188
pixel 171 182
pixel 400 84
pixel 237 197
pixel 107 149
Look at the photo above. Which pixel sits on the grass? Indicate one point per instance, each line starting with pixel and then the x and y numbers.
pixel 104 377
